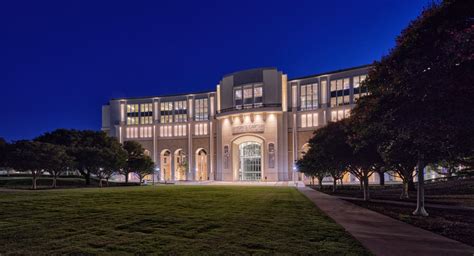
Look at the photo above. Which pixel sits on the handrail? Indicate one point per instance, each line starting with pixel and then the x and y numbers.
pixel 249 106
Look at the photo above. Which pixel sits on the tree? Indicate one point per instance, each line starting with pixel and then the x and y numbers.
pixel 85 147
pixel 3 152
pixel 135 151
pixel 400 161
pixel 114 159
pixel 143 166
pixel 420 87
pixel 30 157
pixel 58 161
pixel 310 166
pixel 328 152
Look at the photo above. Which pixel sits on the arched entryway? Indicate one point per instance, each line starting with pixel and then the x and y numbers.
pixel 165 160
pixel 201 165
pixel 180 165
pixel 250 161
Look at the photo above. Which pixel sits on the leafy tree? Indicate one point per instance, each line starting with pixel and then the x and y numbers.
pixel 114 159
pixel 310 166
pixel 31 157
pixel 58 162
pixel 3 152
pixel 400 161
pixel 424 82
pixel 364 159
pixel 135 151
pixel 328 153
pixel 143 166
pixel 86 147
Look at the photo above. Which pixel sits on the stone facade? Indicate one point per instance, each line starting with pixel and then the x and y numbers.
pixel 254 126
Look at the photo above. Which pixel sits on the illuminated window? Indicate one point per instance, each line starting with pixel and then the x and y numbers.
pixel 309 96
pixel 238 98
pixel 309 120
pixel 132 114
pixel 166 112
pixel 132 132
pixel 166 131
pixel 359 90
pixel 248 96
pixel 340 92
pixel 337 115
pixel 146 132
pixel 180 130
pixel 180 113
pixel 248 99
pixel 146 113
pixel 200 129
pixel 201 112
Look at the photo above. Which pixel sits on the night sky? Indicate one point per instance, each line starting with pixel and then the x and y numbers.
pixel 61 61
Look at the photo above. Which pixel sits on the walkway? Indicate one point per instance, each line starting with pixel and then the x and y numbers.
pixel 383 235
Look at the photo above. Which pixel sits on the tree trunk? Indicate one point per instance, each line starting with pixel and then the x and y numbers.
pixel 88 178
pixel 361 184
pixel 411 184
pixel 366 188
pixel 54 181
pixel 381 178
pixel 342 184
pixel 405 194
pixel 420 196
pixel 334 184
pixel 100 182
pixel 33 180
pixel 126 178
pixel 320 181
pixel 107 180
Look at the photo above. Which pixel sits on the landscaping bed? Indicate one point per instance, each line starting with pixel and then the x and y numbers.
pixel 454 224
pixel 452 192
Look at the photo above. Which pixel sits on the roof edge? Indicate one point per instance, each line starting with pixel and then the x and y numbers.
pixel 330 72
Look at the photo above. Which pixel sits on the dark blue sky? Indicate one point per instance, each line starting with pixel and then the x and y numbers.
pixel 61 61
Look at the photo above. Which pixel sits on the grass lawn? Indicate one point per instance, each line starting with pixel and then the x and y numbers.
pixel 168 220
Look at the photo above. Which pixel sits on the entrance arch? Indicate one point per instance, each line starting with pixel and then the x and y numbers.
pixel 250 166
pixel 248 158
pixel 165 164
pixel 201 165
pixel 180 165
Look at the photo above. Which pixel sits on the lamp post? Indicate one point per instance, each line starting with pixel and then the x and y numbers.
pixel 157 169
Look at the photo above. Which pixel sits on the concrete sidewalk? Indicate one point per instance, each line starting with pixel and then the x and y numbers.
pixel 381 234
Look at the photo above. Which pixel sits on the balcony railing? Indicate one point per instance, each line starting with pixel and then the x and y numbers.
pixel 248 107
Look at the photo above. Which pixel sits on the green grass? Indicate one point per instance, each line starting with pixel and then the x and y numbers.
pixel 168 220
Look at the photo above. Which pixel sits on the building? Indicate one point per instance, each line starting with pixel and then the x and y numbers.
pixel 253 127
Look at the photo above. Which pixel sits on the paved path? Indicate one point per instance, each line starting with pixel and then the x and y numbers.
pixel 427 205
pixel 383 235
